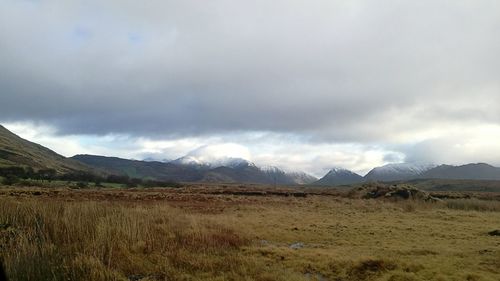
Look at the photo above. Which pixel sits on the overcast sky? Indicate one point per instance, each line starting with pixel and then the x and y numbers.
pixel 304 85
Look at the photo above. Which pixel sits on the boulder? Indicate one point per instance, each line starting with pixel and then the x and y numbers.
pixel 296 246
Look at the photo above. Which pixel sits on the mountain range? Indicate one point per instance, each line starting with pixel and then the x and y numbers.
pixel 409 171
pixel 237 170
pixel 15 151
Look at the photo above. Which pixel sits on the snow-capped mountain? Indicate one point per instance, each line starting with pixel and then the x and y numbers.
pixel 276 174
pixel 232 169
pixel 187 160
pixel 340 176
pixel 398 171
pixel 212 163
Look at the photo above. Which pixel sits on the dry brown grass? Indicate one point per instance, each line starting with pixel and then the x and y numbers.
pixel 48 234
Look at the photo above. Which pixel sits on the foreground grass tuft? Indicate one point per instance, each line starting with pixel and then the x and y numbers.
pixel 474 205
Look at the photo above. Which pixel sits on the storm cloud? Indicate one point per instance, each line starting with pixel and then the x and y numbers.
pixel 393 74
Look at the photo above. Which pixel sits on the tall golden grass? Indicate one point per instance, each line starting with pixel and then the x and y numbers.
pixel 103 241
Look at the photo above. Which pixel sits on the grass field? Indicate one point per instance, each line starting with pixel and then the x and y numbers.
pixel 196 234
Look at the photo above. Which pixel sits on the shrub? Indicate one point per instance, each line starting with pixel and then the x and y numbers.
pixel 10 180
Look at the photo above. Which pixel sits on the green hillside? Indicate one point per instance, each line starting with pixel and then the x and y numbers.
pixel 141 169
pixel 16 151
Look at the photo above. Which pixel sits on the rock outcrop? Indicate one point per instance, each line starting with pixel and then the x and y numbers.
pixel 399 191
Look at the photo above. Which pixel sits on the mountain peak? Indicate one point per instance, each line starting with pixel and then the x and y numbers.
pixel 339 170
pixel 340 176
pixel 398 171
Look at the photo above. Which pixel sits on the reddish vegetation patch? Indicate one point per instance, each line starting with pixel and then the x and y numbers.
pixel 197 199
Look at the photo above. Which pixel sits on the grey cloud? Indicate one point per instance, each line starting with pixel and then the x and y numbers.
pixel 455 150
pixel 335 70
pixel 393 158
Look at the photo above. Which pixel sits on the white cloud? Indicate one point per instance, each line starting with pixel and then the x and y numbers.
pixel 69 145
pixel 209 153
pixel 459 145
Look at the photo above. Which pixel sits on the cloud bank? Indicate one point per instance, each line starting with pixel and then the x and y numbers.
pixel 411 78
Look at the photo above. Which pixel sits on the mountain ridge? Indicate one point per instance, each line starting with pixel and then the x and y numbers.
pixel 471 171
pixel 397 171
pixel 16 151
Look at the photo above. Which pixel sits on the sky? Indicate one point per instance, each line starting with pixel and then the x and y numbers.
pixel 303 85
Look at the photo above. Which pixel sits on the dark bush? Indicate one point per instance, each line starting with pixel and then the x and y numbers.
pixel 10 180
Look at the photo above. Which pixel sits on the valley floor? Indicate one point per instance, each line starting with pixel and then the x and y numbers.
pixel 193 234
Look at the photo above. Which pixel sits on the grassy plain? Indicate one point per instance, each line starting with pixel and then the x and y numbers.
pixel 194 233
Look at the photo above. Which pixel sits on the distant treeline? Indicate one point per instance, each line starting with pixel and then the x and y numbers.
pixel 13 175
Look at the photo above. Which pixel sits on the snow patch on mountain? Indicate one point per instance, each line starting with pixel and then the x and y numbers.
pixel 272 169
pixel 338 170
pixel 302 177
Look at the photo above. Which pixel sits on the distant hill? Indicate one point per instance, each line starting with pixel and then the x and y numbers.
pixel 397 172
pixel 339 176
pixel 189 171
pixel 479 171
pixel 456 185
pixel 16 151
